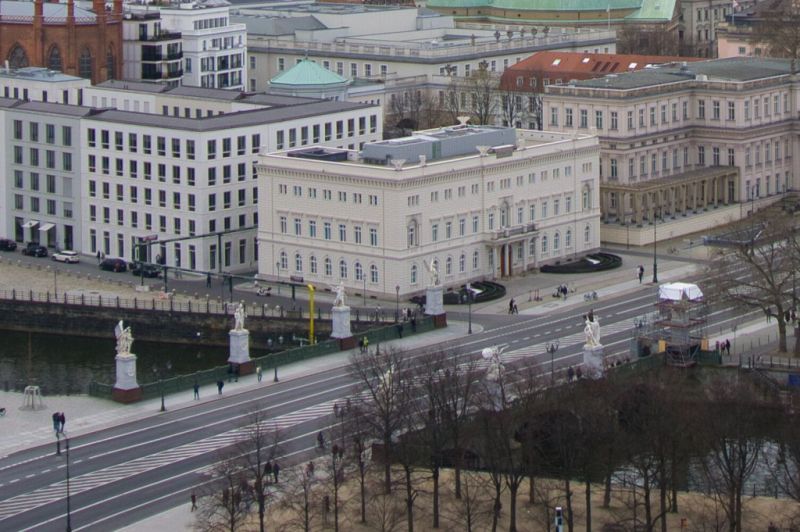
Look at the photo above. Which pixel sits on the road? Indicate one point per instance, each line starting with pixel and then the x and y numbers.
pixel 123 474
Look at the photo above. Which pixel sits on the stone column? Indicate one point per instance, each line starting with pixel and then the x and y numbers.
pixel 126 389
pixel 434 305
pixel 340 318
pixel 239 356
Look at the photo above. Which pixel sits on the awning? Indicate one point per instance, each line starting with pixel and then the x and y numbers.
pixel 679 291
pixel 28 225
pixel 46 227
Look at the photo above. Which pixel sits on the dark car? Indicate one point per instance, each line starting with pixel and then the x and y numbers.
pixel 145 269
pixel 114 265
pixel 6 244
pixel 34 250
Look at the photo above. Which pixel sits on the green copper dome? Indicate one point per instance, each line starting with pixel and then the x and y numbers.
pixel 307 73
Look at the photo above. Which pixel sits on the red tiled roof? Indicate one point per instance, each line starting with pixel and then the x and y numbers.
pixel 565 66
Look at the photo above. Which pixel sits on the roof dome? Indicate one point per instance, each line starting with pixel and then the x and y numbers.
pixel 308 74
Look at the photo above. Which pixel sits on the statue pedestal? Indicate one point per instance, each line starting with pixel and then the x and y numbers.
pixel 340 317
pixel 240 351
pixel 593 362
pixel 126 389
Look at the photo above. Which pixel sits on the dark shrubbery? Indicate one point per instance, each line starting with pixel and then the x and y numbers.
pixel 489 292
pixel 607 261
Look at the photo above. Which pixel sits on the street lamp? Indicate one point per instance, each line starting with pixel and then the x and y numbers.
pixel 157 372
pixel 397 303
pixel 69 507
pixel 551 348
pixel 656 212
pixel 278 269
pixel 469 308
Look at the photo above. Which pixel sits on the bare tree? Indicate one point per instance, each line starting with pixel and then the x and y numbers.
pixel 298 494
pixel 379 375
pixel 481 87
pixel 779 29
pixel 226 504
pixel 758 272
pixel 648 40
pixel 734 422
pixel 512 108
pixel 260 446
pixel 470 511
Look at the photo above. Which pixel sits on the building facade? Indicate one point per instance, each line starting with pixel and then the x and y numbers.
pixel 63 37
pixel 480 202
pixel 677 141
pixel 151 53
pixel 214 49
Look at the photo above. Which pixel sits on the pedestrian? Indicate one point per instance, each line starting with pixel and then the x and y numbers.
pixel 413 324
pixel 728 346
pixel 55 421
pixel 361 345
pixel 275 470
pixel 366 344
pixel 570 374
pixel 62 420
pixel 236 373
pixel 98 256
pixel 196 391
pixel 208 280
pixel 579 373
pixel 516 310
pixel 194 502
pixel 717 348
pixel 220 384
pixel 399 330
pixel 268 470
pixel 641 273
pixel 566 292
pixel 258 373
pixel 511 306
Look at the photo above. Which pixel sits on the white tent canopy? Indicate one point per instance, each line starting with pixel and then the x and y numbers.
pixel 679 292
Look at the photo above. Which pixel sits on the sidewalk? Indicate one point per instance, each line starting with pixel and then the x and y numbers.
pixel 21 429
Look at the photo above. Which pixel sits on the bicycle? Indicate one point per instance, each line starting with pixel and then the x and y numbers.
pixel 590 296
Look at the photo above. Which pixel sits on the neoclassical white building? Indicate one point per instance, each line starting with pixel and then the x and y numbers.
pixel 480 202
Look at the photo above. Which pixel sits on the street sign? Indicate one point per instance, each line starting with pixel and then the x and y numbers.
pixel 148 238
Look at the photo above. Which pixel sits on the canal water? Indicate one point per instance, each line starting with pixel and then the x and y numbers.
pixel 63 365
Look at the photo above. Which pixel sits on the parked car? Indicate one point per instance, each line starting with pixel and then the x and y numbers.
pixel 70 257
pixel 34 250
pixel 145 269
pixel 6 244
pixel 114 265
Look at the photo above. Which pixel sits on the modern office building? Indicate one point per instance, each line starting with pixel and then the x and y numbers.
pixel 151 53
pixel 686 145
pixel 480 202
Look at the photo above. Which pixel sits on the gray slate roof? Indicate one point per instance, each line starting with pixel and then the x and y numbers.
pixel 275 26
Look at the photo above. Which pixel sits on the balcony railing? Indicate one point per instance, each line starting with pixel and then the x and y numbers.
pixel 162 75
pixel 163 36
pixel 158 56
pixel 507 232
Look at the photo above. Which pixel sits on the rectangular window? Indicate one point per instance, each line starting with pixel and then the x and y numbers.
pixel 701 109
pixel 731 110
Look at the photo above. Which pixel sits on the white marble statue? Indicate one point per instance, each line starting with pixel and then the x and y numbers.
pixel 238 317
pixel 339 300
pixel 495 369
pixel 433 269
pixel 592 330
pixel 124 339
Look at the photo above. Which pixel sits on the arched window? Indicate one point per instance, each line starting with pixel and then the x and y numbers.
pixel 328 267
pixel 476 258
pixel 342 269
pixel 284 261
pixel 54 58
pixel 85 64
pixel 313 264
pixel 556 241
pixel 586 199
pixel 544 244
pixel 462 263
pixel 587 234
pixel 111 64
pixel 413 274
pixel 568 239
pixel 373 274
pixel 298 262
pixel 532 247
pixel 448 266
pixel 411 233
pixel 359 272
pixel 17 58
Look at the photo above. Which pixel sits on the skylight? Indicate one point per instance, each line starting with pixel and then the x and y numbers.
pixel 556 62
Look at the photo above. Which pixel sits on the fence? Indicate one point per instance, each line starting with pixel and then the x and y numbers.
pixel 268 362
pixel 165 302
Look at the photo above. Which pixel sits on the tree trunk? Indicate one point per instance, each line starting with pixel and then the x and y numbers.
pixel 387 465
pixel 512 507
pixel 409 500
pixel 531 490
pixel 673 482
pixel 436 497
pixel 457 467
pixel 781 334
pixel 568 497
pixel 496 508
pixel 607 492
pixel 588 506
pixel 363 493
pixel 648 510
pixel 662 494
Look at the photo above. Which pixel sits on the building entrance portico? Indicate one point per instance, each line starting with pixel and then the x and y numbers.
pixel 513 249
pixel 689 192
